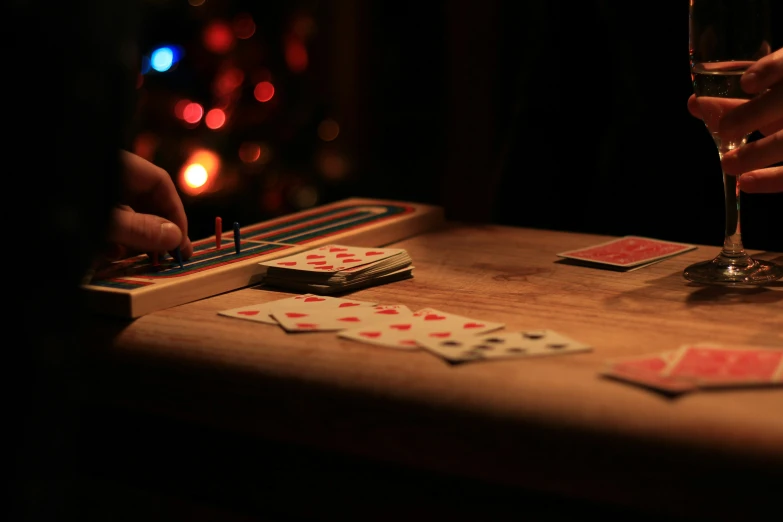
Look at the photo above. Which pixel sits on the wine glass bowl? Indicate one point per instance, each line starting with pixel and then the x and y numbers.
pixel 726 38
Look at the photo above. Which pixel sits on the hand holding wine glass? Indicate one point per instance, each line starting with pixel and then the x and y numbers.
pixel 757 160
pixel 733 74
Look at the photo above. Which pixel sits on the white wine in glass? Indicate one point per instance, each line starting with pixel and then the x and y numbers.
pixel 727 37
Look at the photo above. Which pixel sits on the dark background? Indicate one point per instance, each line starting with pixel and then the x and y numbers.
pixel 564 115
pixel 561 115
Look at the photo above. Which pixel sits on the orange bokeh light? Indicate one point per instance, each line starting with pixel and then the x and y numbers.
pixel 249 152
pixel 264 91
pixel 199 172
pixel 328 130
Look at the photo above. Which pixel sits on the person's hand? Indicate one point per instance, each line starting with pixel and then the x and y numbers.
pixel 150 217
pixel 756 160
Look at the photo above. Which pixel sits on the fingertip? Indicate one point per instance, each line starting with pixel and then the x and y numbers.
pixel 748 182
pixel 170 235
pixel 693 106
pixel 750 82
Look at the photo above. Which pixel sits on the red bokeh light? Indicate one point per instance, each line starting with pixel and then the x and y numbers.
pixel 215 118
pixel 264 91
pixel 192 113
pixel 244 26
pixel 296 54
pixel 218 37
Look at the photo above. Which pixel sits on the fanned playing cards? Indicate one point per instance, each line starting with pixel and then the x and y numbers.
pixel 262 312
pixel 337 268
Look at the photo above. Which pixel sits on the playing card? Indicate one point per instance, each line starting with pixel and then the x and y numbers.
pixel 330 289
pixel 299 320
pixel 425 322
pixel 261 312
pixel 628 251
pixel 501 345
pixel 645 370
pixel 331 258
pixel 715 365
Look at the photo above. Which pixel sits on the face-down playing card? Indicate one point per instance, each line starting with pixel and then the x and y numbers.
pixel 502 345
pixel 628 251
pixel 714 365
pixel 261 312
pixel 299 320
pixel 646 370
pixel 425 322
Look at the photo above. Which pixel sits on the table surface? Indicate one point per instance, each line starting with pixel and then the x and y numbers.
pixel 548 423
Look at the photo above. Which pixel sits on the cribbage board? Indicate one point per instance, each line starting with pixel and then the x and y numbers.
pixel 135 286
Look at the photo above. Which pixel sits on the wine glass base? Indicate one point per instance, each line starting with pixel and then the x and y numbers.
pixel 725 270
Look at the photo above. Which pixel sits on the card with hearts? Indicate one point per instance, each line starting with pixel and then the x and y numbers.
pixel 299 320
pixel 628 251
pixel 502 345
pixel 261 312
pixel 426 322
pixel 331 258
pixel 326 288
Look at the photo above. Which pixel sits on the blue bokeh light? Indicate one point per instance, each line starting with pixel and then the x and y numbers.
pixel 162 59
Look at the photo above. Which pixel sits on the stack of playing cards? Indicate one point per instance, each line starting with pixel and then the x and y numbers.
pixel 453 338
pixel 337 268
pixel 700 366
pixel 627 253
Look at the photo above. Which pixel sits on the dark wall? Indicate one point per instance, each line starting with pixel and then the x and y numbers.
pixel 563 115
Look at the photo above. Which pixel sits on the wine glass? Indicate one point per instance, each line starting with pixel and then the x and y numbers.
pixel 726 37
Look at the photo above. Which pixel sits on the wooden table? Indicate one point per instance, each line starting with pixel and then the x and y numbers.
pixel 549 424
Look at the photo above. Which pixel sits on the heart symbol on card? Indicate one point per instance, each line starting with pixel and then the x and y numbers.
pixel 388 312
pixel 473 325
pixel 306 325
pixel 337 249
pixel 371 335
pixel 350 319
pixel 287 263
pixel 324 267
pixel 295 314
pixel 249 312
pixel 440 334
pixel 343 305
pixel 433 317
pixel 351 260
pixel 338 256
pixel 374 253
pixel 400 326
pixel 314 299
pixel 315 256
pixel 316 262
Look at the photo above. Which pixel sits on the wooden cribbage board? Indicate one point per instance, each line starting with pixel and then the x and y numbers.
pixel 134 287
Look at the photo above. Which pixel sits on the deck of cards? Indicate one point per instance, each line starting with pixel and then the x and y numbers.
pixel 451 337
pixel 700 366
pixel 335 269
pixel 627 253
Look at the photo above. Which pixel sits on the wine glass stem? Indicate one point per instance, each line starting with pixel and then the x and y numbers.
pixel 732 242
